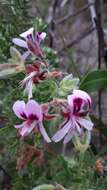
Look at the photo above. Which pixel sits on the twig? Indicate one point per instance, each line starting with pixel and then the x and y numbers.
pixel 78 39
pixel 63 3
pixel 70 15
pixel 50 20
pixel 100 35
pixel 1 168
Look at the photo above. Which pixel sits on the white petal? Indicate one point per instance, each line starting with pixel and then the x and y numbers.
pixel 18 126
pixel 19 42
pixel 25 34
pixel 82 94
pixel 78 128
pixel 29 87
pixel 31 127
pixel 33 108
pixel 44 133
pixel 42 35
pixel 87 124
pixel 70 102
pixel 69 136
pixel 61 133
pixel 19 109
pixel 24 131
pixel 25 55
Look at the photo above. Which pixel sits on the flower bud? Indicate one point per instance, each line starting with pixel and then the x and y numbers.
pixel 82 144
pixel 67 85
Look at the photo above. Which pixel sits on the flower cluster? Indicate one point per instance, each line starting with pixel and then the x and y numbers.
pixel 74 107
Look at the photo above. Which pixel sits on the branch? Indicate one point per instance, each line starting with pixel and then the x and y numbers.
pixel 52 24
pixel 79 38
pixel 60 21
pixel 93 12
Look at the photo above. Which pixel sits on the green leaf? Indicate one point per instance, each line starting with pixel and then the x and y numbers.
pixel 94 81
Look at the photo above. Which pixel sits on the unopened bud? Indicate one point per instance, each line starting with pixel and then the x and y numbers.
pixel 82 144
pixel 67 85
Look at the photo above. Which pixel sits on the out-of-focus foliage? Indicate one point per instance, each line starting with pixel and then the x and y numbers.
pixel 75 172
pixel 52 56
pixel 13 18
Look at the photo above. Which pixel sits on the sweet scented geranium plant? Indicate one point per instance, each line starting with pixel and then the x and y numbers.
pixel 72 104
pixel 53 109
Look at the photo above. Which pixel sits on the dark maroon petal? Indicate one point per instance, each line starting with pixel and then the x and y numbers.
pixel 48 116
pixel 65 114
pixel 37 66
pixel 35 80
pixel 30 68
pixel 82 114
pixel 42 76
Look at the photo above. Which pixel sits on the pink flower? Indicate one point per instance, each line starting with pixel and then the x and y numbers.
pixel 32 116
pixel 76 114
pixel 31 42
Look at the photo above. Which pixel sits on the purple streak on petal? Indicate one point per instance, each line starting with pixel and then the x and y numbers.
pixel 78 128
pixel 23 115
pixel 19 109
pixel 77 105
pixel 40 36
pixel 19 42
pixel 69 136
pixel 82 94
pixel 33 108
pixel 30 38
pixel 25 55
pixel 87 124
pixel 62 132
pixel 44 133
pixel 37 37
